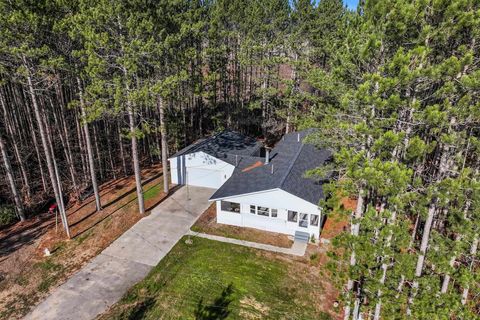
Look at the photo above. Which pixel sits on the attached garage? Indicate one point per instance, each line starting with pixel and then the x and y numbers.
pixel 200 169
pixel 211 161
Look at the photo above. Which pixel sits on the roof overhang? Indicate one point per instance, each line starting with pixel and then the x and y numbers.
pixel 243 194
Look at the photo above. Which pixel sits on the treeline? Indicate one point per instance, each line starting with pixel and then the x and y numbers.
pixel 94 90
pixel 400 107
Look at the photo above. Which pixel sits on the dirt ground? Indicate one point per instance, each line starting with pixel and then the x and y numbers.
pixel 337 223
pixel 207 223
pixel 26 276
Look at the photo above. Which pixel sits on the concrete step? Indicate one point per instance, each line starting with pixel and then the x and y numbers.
pixel 302 236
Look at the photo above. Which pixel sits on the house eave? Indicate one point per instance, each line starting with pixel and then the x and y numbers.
pixel 243 194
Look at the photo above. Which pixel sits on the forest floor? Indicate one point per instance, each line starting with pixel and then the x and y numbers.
pixel 26 276
pixel 205 279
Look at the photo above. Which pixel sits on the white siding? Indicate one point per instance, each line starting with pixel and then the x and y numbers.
pixel 200 169
pixel 273 199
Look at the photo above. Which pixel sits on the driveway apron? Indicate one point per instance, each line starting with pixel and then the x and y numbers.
pixel 105 279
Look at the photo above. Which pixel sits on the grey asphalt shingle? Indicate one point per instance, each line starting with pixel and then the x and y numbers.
pixel 289 161
pixel 226 145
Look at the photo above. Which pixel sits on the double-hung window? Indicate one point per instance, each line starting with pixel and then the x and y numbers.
pixel 274 213
pixel 292 216
pixel 303 220
pixel 263 211
pixel 314 220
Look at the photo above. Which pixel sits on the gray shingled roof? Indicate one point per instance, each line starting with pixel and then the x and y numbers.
pixel 227 145
pixel 290 159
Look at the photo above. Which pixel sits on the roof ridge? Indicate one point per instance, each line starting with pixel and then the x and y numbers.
pixel 290 166
pixel 199 142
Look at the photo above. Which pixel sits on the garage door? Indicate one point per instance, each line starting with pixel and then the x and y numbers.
pixel 204 178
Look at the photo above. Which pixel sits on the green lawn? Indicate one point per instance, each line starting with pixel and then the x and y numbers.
pixel 214 280
pixel 151 193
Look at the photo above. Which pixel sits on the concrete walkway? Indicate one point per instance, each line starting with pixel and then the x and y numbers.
pixel 105 279
pixel 297 249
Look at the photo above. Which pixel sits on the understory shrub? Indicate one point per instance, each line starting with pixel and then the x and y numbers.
pixel 7 215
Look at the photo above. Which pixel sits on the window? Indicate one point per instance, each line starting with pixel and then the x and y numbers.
pixel 230 206
pixel 263 211
pixel 303 220
pixel 314 220
pixel 292 216
pixel 274 213
pixel 253 209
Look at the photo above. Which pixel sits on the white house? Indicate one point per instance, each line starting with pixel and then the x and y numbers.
pixel 210 162
pixel 269 193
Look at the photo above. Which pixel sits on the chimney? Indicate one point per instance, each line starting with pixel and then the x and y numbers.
pixel 298 137
pixel 267 155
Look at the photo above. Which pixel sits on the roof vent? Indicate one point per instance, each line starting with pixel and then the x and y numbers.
pixel 267 155
pixel 298 137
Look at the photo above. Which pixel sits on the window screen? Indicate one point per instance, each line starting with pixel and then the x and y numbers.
pixel 292 216
pixel 263 211
pixel 303 220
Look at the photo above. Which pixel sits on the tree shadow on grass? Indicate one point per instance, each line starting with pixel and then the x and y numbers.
pixel 141 309
pixel 217 310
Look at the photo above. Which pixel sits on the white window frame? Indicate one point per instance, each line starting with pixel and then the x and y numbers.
pixel 236 203
pixel 265 212
pixel 303 223
pixel 296 216
pixel 274 213
pixel 269 212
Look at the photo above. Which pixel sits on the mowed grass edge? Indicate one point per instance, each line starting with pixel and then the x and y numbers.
pixel 214 280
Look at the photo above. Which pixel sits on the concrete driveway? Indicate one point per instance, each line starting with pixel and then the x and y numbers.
pixel 105 279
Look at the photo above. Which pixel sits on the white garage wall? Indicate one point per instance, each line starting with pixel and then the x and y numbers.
pixel 200 169
pixel 273 199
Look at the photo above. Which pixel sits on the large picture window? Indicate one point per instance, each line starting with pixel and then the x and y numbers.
pixel 303 220
pixel 314 220
pixel 230 206
pixel 292 216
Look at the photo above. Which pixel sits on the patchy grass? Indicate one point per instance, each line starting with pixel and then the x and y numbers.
pixel 207 223
pixel 27 277
pixel 151 193
pixel 215 280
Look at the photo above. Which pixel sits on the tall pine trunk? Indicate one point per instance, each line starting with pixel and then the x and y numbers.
pixel 378 306
pixel 10 132
pixel 355 228
pixel 122 153
pixel 11 180
pixel 136 162
pixel 473 253
pixel 163 133
pixel 93 175
pixel 48 155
